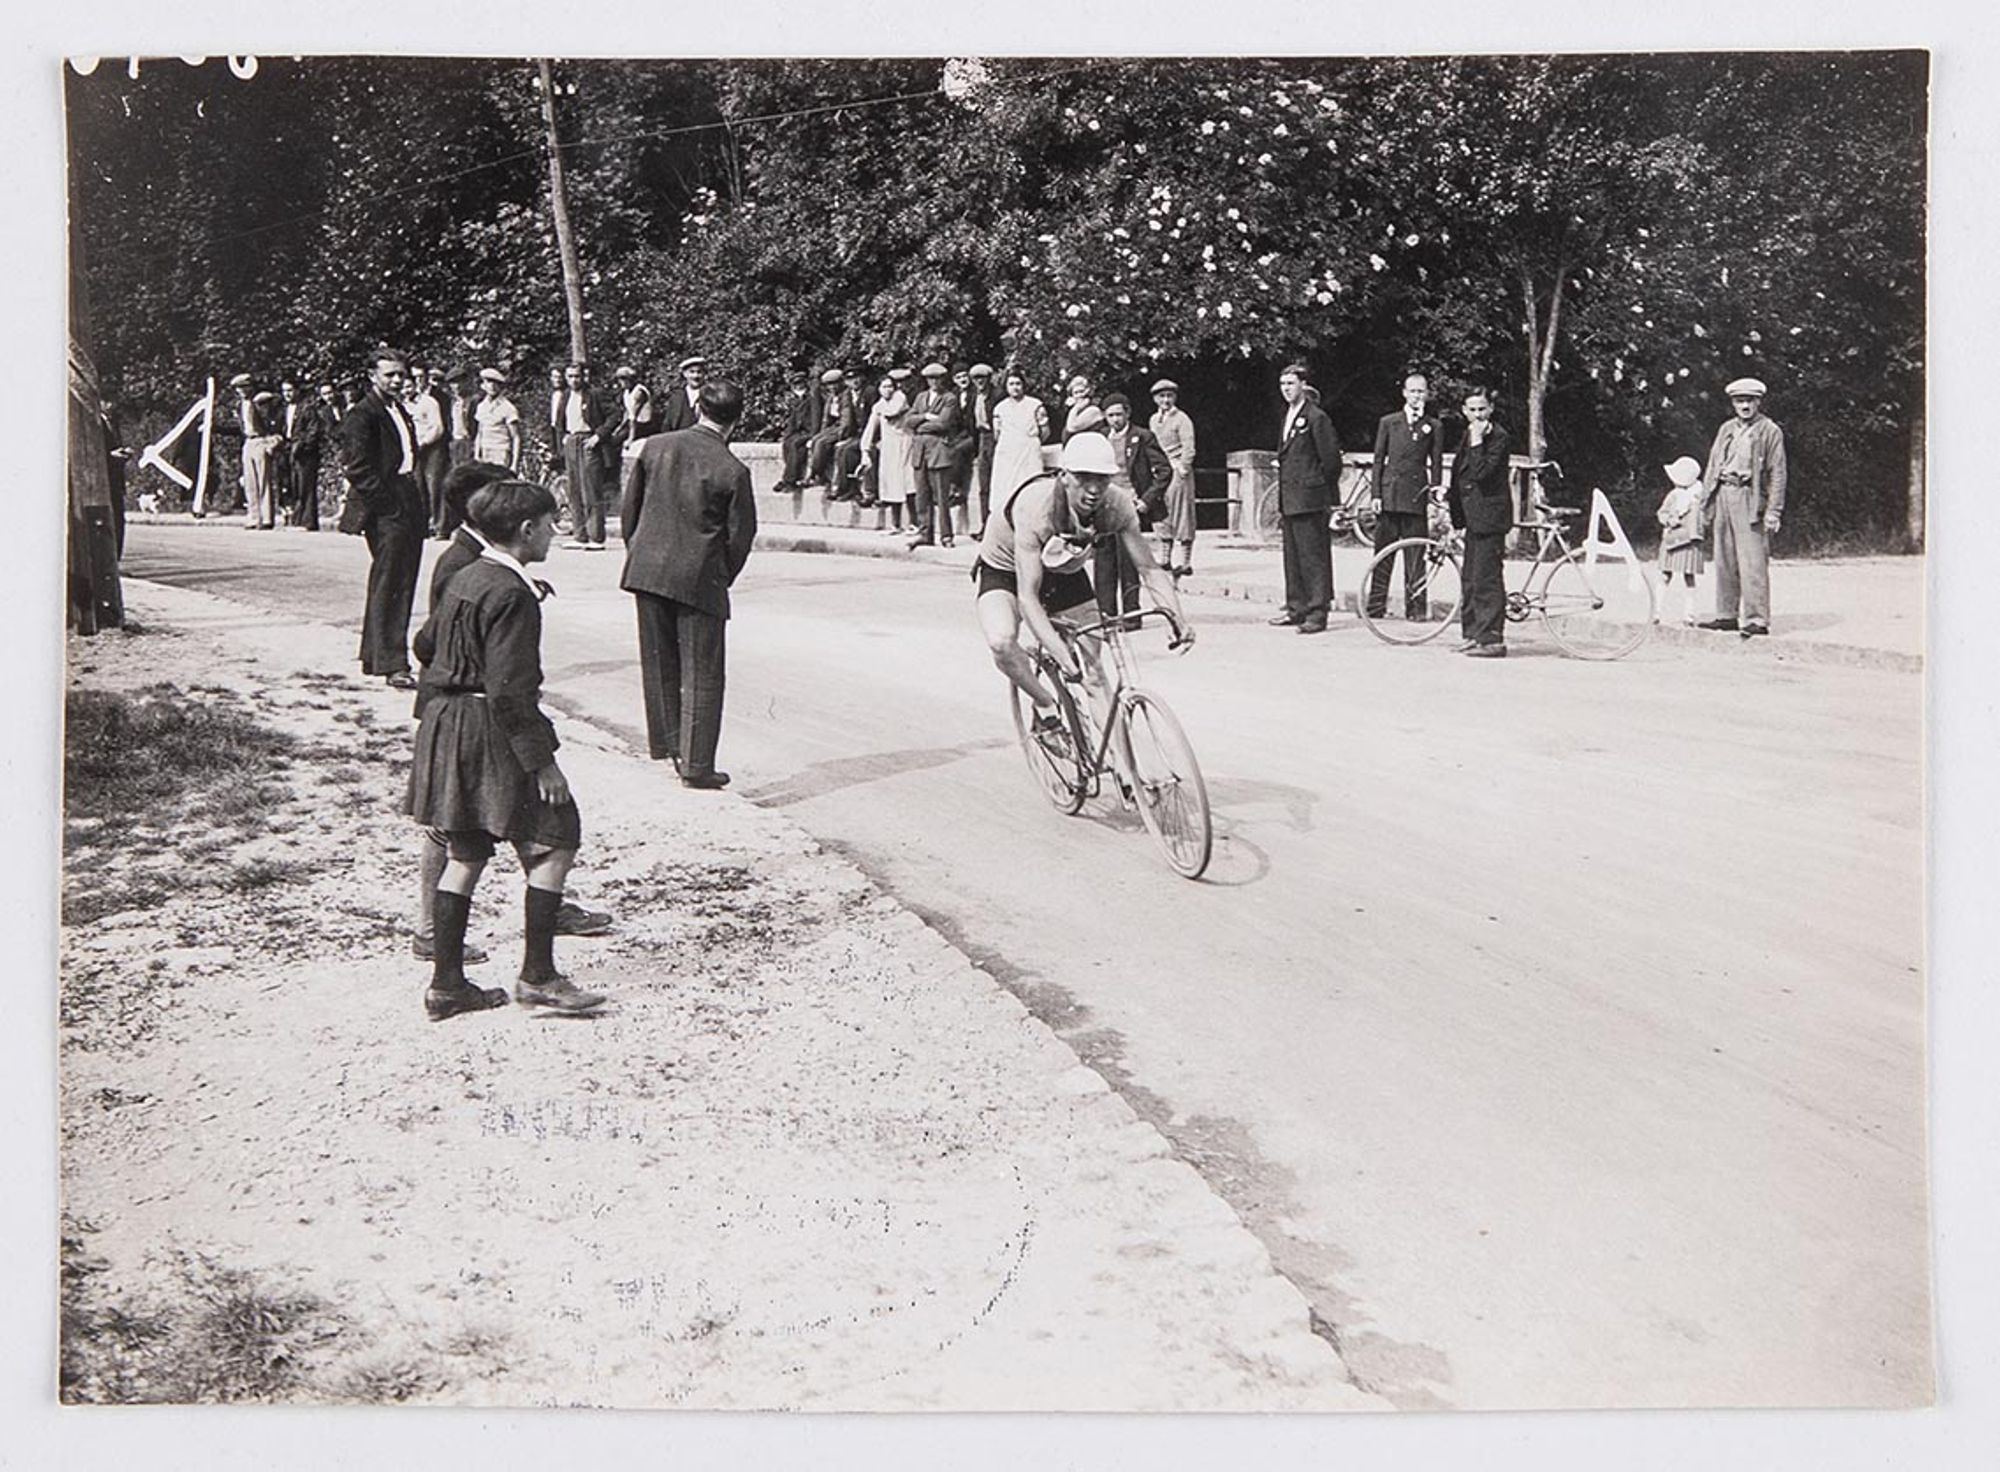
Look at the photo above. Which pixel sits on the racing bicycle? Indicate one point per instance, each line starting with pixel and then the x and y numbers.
pixel 1141 748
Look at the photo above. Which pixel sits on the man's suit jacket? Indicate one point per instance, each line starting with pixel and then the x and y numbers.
pixel 799 416
pixel 1148 468
pixel 371 457
pixel 603 413
pixel 689 519
pixel 1308 463
pixel 308 433
pixel 836 415
pixel 676 411
pixel 934 418
pixel 1407 462
pixel 1480 495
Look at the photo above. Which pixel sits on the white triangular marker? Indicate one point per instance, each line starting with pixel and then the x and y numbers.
pixel 203 409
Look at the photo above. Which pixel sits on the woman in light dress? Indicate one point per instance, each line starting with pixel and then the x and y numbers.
pixel 888 446
pixel 1020 424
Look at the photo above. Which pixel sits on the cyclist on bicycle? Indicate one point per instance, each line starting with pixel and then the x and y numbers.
pixel 1032 556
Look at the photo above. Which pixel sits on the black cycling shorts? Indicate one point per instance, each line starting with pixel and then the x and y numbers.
pixel 1060 590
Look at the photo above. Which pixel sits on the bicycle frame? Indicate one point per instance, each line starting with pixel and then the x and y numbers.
pixel 1111 633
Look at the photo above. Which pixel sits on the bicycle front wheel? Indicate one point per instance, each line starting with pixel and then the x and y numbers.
pixel 1056 757
pixel 1432 590
pixel 1167 785
pixel 1599 612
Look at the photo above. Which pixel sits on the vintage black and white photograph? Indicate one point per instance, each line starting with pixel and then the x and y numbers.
pixel 1001 731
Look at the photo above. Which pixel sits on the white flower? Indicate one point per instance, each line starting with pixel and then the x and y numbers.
pixel 1264 159
pixel 1208 127
pixel 1323 297
pixel 1123 300
pixel 1244 112
pixel 1223 309
pixel 1700 331
pixel 1281 131
pixel 1282 100
pixel 1377 262
pixel 1073 310
pixel 1410 239
pixel 1232 213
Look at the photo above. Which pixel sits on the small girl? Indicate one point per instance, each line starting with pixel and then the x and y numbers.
pixel 485 763
pixel 1680 530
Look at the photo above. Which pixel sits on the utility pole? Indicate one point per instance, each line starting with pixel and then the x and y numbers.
pixel 95 599
pixel 579 350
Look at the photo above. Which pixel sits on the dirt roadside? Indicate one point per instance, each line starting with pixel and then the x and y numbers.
pixel 809 1157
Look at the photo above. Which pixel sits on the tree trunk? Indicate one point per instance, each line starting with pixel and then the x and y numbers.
pixel 1914 525
pixel 579 346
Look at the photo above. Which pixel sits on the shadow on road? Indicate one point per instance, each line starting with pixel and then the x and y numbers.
pixel 821 778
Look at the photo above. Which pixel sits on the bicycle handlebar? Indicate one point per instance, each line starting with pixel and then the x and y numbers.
pixel 1121 623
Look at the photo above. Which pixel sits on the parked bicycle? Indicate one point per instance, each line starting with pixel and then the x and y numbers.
pixel 1142 746
pixel 1602 610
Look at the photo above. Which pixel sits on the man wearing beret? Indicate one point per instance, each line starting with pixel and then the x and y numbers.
pixel 1745 503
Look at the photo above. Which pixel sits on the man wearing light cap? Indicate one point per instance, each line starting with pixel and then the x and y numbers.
pixel 496 423
pixel 934 420
pixel 679 410
pixel 1175 432
pixel 1744 500
pixel 836 426
pixel 1070 506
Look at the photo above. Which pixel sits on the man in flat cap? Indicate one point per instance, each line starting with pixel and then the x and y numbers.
pixel 835 428
pixel 934 420
pixel 680 408
pixel 1175 432
pixel 1745 502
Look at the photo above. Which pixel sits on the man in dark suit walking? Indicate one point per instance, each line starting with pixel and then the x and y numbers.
pixel 1308 480
pixel 378 454
pixel 1409 460
pixel 1481 500
pixel 689 519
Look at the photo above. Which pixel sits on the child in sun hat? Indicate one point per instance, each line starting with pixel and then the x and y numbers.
pixel 1680 530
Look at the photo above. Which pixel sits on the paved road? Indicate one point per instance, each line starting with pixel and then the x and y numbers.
pixel 1557 1026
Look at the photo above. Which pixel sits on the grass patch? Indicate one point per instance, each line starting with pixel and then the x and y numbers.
pixel 133 757
pixel 220 1335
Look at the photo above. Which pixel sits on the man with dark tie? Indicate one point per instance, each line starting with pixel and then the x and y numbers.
pixel 378 451
pixel 1308 479
pixel 980 417
pixel 305 431
pixel 1409 462
pixel 689 519
pixel 1481 499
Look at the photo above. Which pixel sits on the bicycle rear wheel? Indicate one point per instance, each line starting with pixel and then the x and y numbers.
pixel 1055 758
pixel 1599 612
pixel 1167 784
pixel 1431 593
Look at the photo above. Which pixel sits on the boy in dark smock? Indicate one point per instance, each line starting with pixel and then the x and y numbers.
pixel 485 766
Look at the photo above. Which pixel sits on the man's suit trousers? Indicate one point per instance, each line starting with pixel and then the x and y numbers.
pixel 1394 526
pixel 1116 578
pixel 681 670
pixel 304 498
pixel 395 538
pixel 1308 566
pixel 1483 602
pixel 586 490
